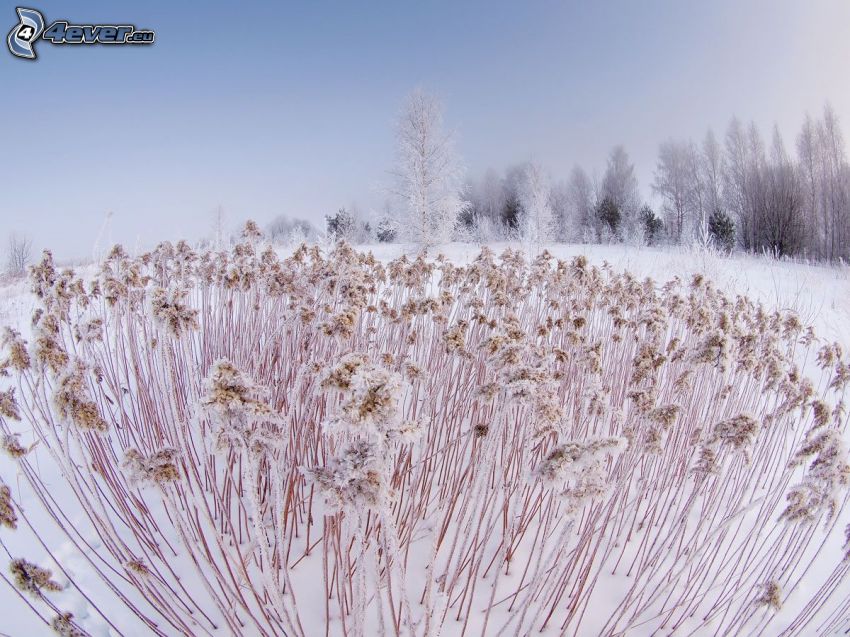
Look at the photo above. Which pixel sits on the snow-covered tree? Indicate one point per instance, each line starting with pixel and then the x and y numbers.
pixel 834 187
pixel 386 230
pixel 348 225
pixel 582 197
pixel 486 199
pixel 721 229
pixel 428 173
pixel 536 222
pixel 712 172
pixel 651 225
pixel 620 186
pixel 288 231
pixel 512 204
pixel 492 197
pixel 18 254
pixel 563 223
pixel 610 218
pixel 809 166
pixel 780 219
pixel 675 184
pixel 825 184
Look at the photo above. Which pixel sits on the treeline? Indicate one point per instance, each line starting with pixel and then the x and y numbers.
pixel 742 192
pixel 737 192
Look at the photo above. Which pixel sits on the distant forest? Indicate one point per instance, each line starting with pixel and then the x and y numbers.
pixel 741 192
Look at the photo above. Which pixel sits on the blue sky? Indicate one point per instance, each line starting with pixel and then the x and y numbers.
pixel 288 109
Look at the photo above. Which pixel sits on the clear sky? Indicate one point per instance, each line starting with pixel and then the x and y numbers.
pixel 288 108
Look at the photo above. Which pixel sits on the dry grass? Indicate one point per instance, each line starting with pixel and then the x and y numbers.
pixel 425 447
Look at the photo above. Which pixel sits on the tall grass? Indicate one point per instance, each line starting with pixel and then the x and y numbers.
pixel 324 444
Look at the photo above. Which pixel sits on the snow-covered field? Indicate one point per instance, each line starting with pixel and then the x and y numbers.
pixel 819 295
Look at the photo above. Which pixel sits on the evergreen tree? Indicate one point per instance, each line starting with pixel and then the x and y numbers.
pixel 341 225
pixel 609 214
pixel 721 228
pixel 511 212
pixel 386 230
pixel 652 225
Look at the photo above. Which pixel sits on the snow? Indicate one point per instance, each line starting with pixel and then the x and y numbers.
pixel 819 294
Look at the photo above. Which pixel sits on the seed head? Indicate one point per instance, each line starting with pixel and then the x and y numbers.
pixel 8 517
pixel 18 358
pixel 739 431
pixel 353 479
pixel 32 579
pixel 158 468
pixel 64 626
pixel 232 398
pixel 170 310
pixel 8 405
pixel 12 446
pixel 771 596
pixel 72 402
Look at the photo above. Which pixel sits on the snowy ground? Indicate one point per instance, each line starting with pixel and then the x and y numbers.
pixel 819 294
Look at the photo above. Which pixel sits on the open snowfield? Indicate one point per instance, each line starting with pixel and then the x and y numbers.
pixel 819 295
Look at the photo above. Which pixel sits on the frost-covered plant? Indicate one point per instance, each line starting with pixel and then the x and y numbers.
pixel 425 447
pixel 169 310
pixel 8 517
pixel 156 468
pixel 577 471
pixel 353 479
pixel 31 578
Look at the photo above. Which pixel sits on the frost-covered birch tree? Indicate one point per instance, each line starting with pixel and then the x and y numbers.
pixel 428 173
pixel 674 183
pixel 582 196
pixel 537 224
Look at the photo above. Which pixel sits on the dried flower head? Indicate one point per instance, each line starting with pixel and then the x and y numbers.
pixel 820 413
pixel 71 400
pixel 8 405
pixel 577 468
pixel 251 231
pixel 232 398
pixel 157 468
pixel 739 431
pixel 771 596
pixel 354 478
pixel 340 375
pixel 89 331
pixel 170 310
pixel 664 416
pixel 455 337
pixel 827 478
pixel 49 351
pixel 406 431
pixel 8 517
pixel 18 358
pixel 12 446
pixel 64 626
pixel 372 400
pixel 31 578
pixel 137 566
